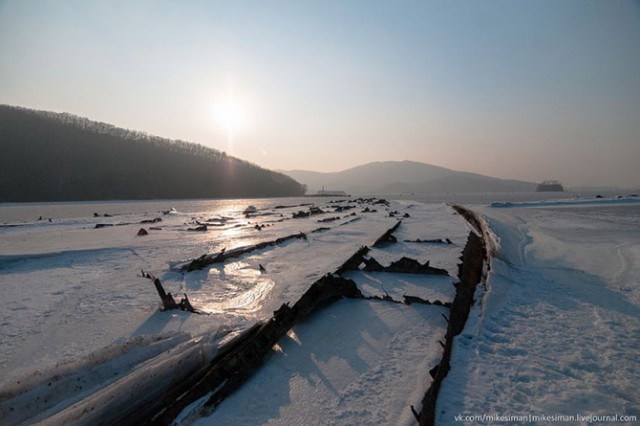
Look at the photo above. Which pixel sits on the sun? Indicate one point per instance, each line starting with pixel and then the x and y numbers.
pixel 231 114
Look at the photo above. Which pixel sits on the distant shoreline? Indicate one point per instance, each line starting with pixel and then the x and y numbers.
pixel 20 212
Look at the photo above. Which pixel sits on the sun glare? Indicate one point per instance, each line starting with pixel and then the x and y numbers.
pixel 232 114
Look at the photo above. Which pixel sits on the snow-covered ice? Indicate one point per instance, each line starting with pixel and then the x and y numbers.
pixel 556 332
pixel 80 326
pixel 355 362
pixel 360 361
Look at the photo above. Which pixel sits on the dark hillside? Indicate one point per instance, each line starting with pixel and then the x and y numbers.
pixel 47 156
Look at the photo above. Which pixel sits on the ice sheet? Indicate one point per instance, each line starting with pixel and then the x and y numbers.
pixel 359 362
pixel 556 332
pixel 74 304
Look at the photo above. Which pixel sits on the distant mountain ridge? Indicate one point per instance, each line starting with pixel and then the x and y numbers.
pixel 47 156
pixel 396 177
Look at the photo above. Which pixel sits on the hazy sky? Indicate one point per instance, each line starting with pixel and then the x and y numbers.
pixel 516 89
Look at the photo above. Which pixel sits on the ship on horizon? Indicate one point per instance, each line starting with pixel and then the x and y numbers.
pixel 550 186
pixel 331 193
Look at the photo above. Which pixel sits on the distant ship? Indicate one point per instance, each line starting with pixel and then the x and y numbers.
pixel 330 193
pixel 550 186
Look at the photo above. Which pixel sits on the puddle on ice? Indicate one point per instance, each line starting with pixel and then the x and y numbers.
pixel 239 300
pixel 236 288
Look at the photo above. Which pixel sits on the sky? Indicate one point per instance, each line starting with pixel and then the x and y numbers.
pixel 530 90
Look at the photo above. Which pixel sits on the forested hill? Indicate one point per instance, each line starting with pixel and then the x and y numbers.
pixel 47 156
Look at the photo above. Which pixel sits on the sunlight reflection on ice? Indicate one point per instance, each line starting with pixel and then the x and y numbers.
pixel 238 289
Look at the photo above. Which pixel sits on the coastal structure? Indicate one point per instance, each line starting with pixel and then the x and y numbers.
pixel 331 193
pixel 550 186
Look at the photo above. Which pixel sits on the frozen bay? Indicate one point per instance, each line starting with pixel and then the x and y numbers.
pixel 553 331
pixel 78 319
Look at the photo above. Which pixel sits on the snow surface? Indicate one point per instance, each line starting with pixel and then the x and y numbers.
pixel 556 333
pixel 355 362
pixel 360 361
pixel 80 327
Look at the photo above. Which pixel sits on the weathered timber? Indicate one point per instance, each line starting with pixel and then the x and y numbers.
pixel 329 288
pixel 384 298
pixel 408 300
pixel 168 302
pixel 469 217
pixel 372 200
pixel 155 220
pixel 103 225
pixel 372 265
pixel 405 265
pixel 163 412
pixel 355 219
pixel 209 259
pixel 311 212
pixel 329 219
pixel 474 257
pixel 387 237
pixel 352 263
pixel 204 261
pixel 434 241
pixel 236 361
pixel 321 229
pixel 343 208
pixel 297 205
